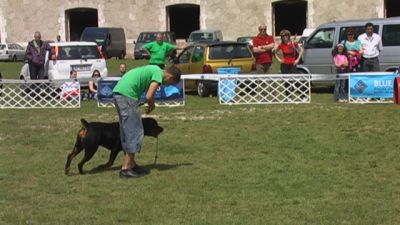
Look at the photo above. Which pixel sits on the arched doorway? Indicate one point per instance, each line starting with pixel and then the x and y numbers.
pixel 392 8
pixel 77 19
pixel 290 15
pixel 183 19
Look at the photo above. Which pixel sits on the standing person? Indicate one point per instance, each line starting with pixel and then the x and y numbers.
pixel 354 50
pixel 127 94
pixel 262 47
pixel 339 54
pixel 371 45
pixel 158 51
pixel 291 52
pixel 122 69
pixel 36 56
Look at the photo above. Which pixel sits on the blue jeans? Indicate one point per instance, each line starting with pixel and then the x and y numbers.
pixel 340 89
pixel 130 123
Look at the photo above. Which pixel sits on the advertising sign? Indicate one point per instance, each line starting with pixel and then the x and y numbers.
pixel 165 93
pixel 374 85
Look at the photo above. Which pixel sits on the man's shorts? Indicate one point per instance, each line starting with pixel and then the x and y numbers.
pixel 130 123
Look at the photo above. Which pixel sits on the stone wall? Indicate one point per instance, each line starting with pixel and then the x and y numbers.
pixel 19 19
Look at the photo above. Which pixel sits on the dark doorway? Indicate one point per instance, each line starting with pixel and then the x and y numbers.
pixel 77 19
pixel 183 19
pixel 290 15
pixel 392 8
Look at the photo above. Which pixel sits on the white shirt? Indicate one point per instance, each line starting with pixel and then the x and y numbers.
pixel 371 45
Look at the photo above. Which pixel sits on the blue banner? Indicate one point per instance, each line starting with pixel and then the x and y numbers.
pixel 164 93
pixel 226 88
pixel 363 85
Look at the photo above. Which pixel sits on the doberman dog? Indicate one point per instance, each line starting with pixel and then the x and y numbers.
pixel 95 134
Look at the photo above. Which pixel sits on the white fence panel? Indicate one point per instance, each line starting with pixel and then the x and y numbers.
pixel 264 89
pixel 39 94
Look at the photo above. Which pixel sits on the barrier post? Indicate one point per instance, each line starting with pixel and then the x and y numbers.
pixel 396 90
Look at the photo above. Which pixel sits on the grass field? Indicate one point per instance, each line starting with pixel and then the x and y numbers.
pixel 318 163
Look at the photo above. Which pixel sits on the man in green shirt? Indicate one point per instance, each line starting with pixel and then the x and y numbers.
pixel 127 94
pixel 158 50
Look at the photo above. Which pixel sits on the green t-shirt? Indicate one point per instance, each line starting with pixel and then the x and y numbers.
pixel 136 81
pixel 158 51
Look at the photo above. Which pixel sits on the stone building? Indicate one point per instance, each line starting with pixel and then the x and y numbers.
pixel 19 19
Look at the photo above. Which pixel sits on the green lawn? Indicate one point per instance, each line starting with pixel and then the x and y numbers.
pixel 318 163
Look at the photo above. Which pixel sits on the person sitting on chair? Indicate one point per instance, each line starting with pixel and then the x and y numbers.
pixel 70 89
pixel 93 84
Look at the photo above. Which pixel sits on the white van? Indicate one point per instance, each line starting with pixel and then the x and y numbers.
pixel 306 33
pixel 317 57
pixel 84 57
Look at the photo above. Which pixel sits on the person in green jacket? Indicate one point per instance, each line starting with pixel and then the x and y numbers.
pixel 127 93
pixel 158 50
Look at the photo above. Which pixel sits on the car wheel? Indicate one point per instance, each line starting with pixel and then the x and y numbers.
pixel 202 90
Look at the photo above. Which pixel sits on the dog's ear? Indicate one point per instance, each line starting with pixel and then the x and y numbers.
pixel 84 123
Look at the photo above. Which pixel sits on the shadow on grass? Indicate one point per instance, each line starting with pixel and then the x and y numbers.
pixel 158 166
pixel 322 89
pixel 162 167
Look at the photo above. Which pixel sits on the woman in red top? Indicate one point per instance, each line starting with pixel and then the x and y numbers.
pixel 291 53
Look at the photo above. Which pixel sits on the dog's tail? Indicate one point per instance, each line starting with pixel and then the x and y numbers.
pixel 84 123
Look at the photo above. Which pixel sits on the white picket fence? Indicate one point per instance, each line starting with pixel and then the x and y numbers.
pixel 38 94
pixel 265 89
pixel 232 89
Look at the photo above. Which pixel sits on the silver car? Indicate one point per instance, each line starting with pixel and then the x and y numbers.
pixel 11 52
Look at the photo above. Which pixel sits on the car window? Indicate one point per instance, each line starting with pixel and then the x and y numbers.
pixel 11 46
pixel 201 37
pixel 322 39
pixel 198 54
pixel 98 37
pixel 78 52
pixel 391 35
pixel 19 47
pixel 358 30
pixel 2 47
pixel 147 37
pixel 184 57
pixel 229 51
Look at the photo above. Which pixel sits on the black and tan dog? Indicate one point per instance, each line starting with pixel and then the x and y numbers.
pixel 95 134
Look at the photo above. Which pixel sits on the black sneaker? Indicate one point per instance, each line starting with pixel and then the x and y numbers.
pixel 140 170
pixel 129 174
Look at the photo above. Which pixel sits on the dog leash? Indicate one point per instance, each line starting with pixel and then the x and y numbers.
pixel 156 156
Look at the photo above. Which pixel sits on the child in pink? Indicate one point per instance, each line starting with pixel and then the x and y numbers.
pixel 339 54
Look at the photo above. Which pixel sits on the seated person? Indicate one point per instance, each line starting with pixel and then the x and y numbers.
pixel 93 84
pixel 70 89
